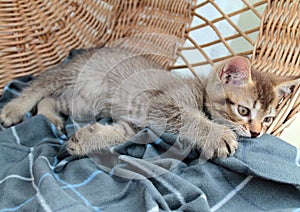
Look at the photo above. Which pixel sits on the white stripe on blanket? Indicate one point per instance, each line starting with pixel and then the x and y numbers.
pixel 41 199
pixel 231 194
pixel 13 129
pixel 16 177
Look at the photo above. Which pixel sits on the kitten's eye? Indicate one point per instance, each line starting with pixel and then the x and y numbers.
pixel 268 120
pixel 243 111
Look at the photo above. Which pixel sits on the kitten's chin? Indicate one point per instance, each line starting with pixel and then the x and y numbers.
pixel 247 134
pixel 240 131
pixel 243 132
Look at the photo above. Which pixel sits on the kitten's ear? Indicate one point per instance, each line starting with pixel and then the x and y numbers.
pixel 236 71
pixel 285 84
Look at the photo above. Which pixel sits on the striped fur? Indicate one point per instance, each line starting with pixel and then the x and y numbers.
pixel 137 93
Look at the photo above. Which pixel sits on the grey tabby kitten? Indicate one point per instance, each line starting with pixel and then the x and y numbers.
pixel 234 100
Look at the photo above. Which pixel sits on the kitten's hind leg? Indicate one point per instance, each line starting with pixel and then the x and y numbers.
pixel 96 137
pixel 13 111
pixel 48 108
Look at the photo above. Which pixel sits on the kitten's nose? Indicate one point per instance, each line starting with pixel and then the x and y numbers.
pixel 254 134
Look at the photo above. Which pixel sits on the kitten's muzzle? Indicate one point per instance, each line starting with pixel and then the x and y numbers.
pixel 254 134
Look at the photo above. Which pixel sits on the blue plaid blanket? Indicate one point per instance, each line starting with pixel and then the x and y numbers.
pixel 37 174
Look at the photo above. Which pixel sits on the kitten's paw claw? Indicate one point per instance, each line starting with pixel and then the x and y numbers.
pixel 84 140
pixel 221 144
pixel 228 145
pixel 74 147
pixel 78 144
pixel 57 121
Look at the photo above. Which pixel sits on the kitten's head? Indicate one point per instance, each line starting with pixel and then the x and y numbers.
pixel 243 98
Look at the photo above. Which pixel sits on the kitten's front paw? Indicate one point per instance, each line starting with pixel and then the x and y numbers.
pixel 221 143
pixel 11 114
pixel 56 120
pixel 79 143
pixel 74 146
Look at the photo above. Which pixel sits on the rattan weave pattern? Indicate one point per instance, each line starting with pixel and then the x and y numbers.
pixel 36 35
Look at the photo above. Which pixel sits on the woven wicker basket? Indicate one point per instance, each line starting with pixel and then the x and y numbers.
pixel 35 35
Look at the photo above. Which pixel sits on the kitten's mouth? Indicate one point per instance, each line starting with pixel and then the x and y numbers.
pixel 242 131
pixel 238 128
